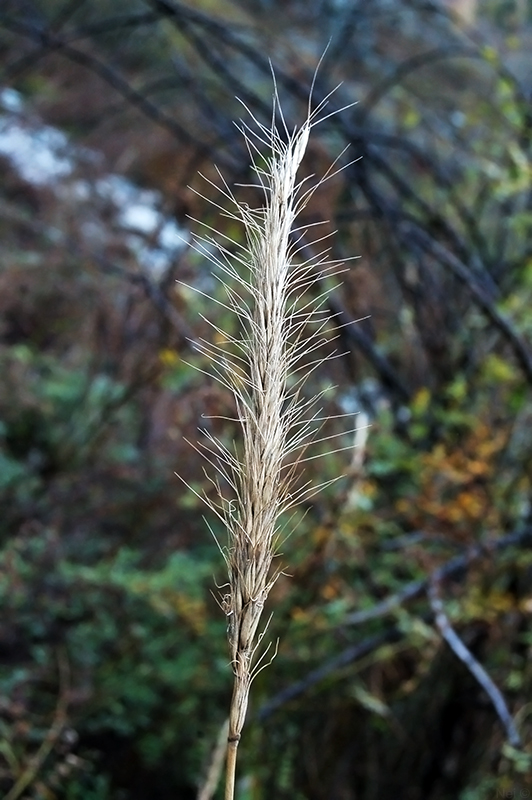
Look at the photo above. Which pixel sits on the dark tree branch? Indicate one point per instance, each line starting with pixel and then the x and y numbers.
pixel 453 569
pixel 360 340
pixel 133 96
pixel 413 234
pixel 475 668
pixel 411 65
pixel 343 659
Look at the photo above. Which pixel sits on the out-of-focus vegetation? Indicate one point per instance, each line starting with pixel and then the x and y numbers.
pixel 114 674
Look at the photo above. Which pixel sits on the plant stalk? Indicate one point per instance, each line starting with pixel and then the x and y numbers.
pixel 232 749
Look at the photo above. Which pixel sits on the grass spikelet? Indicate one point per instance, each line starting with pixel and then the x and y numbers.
pixel 262 369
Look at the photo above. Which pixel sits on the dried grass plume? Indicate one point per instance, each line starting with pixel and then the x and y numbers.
pixel 268 284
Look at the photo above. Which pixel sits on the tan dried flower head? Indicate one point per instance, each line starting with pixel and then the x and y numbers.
pixel 280 321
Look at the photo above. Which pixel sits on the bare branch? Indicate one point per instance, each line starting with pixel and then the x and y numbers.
pixel 476 669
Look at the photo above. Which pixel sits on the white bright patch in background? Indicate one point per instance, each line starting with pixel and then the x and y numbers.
pixel 43 156
pixel 35 154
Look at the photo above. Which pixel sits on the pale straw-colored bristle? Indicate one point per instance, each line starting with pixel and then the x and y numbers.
pixel 280 323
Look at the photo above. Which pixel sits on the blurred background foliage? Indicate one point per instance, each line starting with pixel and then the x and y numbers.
pixel 114 669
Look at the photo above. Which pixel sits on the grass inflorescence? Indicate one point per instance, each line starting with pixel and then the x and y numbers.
pixel 277 294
